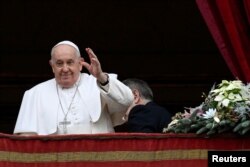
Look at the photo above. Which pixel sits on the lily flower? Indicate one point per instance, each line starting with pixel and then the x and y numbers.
pixel 209 114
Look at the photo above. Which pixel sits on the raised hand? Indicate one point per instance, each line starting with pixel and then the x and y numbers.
pixel 94 67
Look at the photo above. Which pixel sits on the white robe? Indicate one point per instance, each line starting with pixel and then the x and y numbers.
pixel 106 106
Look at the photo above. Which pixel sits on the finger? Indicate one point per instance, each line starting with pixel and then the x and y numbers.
pixel 90 53
pixel 96 65
pixel 86 65
pixel 94 61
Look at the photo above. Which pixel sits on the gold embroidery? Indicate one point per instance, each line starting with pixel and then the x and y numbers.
pixel 104 156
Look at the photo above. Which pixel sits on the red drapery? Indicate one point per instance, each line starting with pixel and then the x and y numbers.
pixel 228 21
pixel 113 150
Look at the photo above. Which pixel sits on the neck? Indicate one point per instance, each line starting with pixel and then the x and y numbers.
pixel 144 101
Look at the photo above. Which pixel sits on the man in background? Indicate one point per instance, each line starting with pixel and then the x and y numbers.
pixel 144 115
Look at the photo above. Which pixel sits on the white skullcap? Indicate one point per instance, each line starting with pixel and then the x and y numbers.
pixel 68 43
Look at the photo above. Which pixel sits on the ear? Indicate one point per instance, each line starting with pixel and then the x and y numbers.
pixel 81 60
pixel 137 96
pixel 50 63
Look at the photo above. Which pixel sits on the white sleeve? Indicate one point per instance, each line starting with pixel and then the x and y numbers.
pixel 118 97
pixel 27 118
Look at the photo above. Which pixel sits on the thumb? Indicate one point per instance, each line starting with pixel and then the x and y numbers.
pixel 86 65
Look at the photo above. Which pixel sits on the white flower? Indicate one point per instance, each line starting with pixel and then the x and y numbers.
pixel 209 114
pixel 234 85
pixel 174 122
pixel 245 93
pixel 220 97
pixel 216 119
pixel 225 102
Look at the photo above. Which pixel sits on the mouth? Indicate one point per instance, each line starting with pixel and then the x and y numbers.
pixel 65 77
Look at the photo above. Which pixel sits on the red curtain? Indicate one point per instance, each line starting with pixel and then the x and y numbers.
pixel 228 21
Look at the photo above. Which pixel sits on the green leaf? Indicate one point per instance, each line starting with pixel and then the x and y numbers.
pixel 222 123
pixel 211 132
pixel 245 130
pixel 186 121
pixel 209 125
pixel 201 130
pixel 237 127
pixel 245 124
pixel 195 126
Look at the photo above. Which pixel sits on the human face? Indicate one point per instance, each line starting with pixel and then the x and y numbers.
pixel 66 65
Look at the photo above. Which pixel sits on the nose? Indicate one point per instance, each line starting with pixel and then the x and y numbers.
pixel 65 67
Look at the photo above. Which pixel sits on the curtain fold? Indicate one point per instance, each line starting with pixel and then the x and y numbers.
pixel 228 21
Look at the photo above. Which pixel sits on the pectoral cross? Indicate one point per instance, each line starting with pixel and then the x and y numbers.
pixel 64 123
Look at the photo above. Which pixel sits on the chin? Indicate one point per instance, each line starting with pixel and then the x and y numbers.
pixel 66 84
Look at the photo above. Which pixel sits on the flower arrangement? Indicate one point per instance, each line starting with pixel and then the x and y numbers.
pixel 226 108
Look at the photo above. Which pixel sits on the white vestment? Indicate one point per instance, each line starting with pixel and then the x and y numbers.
pixel 105 106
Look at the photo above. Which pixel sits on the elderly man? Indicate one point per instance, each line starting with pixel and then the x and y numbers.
pixel 73 102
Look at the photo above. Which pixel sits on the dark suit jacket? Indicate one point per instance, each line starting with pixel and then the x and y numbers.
pixel 149 118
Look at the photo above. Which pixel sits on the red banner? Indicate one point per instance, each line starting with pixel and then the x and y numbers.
pixel 112 150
